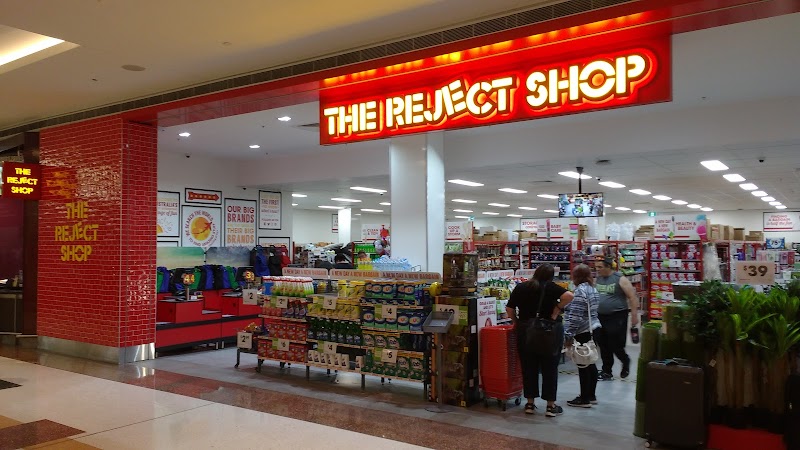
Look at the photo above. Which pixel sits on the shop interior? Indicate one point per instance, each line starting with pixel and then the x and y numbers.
pixel 725 148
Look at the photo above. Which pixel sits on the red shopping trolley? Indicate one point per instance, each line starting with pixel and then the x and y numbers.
pixel 500 368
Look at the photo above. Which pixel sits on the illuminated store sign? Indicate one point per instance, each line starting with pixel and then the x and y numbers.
pixel 23 181
pixel 490 93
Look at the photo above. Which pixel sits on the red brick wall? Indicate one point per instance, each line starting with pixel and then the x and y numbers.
pixel 108 298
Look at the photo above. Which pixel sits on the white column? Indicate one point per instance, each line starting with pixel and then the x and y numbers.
pixel 417 187
pixel 344 225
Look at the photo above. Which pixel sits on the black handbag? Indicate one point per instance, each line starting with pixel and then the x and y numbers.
pixel 542 335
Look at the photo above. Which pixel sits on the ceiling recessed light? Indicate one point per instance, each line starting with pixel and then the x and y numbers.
pixel 461 217
pixel 693 206
pixel 640 192
pixel 513 191
pixel 330 207
pixel 547 196
pixel 299 195
pixel 284 118
pixel 714 165
pixel 371 210
pixel 759 193
pixel 527 208
pixel 385 204
pixel 768 199
pixel 465 183
pixel 608 205
pixel 775 203
pixel 348 200
pixel 255 146
pixel 706 209
pixel 551 211
pixel 734 177
pixel 295 204
pixel 357 214
pixel 184 134
pixel 622 208
pixel 575 175
pixel 514 215
pixel 680 202
pixel 611 184
pixel 780 207
pixel 662 197
pixel 639 211
pixel 133 68
pixel 489 213
pixel 748 186
pixel 366 189
pixel 463 210
pixel 461 200
pixel 499 205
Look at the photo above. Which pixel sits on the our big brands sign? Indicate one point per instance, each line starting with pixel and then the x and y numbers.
pixel 526 84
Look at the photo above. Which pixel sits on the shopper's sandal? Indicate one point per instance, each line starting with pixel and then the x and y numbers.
pixel 530 408
pixel 553 411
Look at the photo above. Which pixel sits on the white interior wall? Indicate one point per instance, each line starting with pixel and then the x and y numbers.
pixel 315 226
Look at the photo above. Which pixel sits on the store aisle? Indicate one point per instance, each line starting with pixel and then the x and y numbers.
pixel 52 408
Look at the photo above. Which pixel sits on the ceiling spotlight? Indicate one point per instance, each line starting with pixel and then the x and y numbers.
pixel 514 215
pixel 294 204
pixel 184 134
pixel 348 200
pixel 551 211
pixel 547 196
pixel 499 205
pixel 489 213
pixel 284 118
pixel 255 146
pixel 513 191
pixel 662 197
pixel 768 199
pixel 775 203
pixel 714 165
pixel 680 202
pixel 748 186
pixel 693 206
pixel 299 195
pixel 780 207
pixel 622 208
pixel 527 208
pixel 706 209
pixel 608 205
pixel 734 177
pixel 575 175
pixel 639 211
pixel 611 184
pixel 385 204
pixel 759 193
pixel 331 207
pixel 366 189
pixel 640 192
pixel 462 210
pixel 371 210
pixel 465 183
pixel 461 200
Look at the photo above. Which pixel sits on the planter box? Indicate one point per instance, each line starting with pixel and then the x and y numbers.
pixel 724 438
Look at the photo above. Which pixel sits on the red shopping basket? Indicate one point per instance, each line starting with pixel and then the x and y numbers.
pixel 501 371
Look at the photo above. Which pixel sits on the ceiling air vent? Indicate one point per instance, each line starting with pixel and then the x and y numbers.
pixel 309 126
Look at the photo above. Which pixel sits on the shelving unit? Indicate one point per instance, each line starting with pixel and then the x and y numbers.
pixel 557 253
pixel 633 263
pixel 499 255
pixel 671 261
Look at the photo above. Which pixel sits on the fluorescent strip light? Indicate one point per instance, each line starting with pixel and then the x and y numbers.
pixel 462 217
pixel 499 205
pixel 356 214
pixel 547 196
pixel 780 207
pixel 463 210
pixel 640 211
pixel 331 207
pixel 734 177
pixel 768 199
pixel 680 202
pixel 748 186
pixel 465 183
pixel 371 210
pixel 513 191
pixel 640 192
pixel 759 193
pixel 776 203
pixel 184 134
pixel 527 208
pixel 622 208
pixel 514 215
pixel 299 195
pixel 385 204
pixel 662 197
pixel 255 146
pixel 551 211
pixel 342 199
pixel 284 118
pixel 611 184
pixel 461 200
pixel 295 204
pixel 575 175
pixel 608 205
pixel 366 189
pixel 42 43
pixel 693 206
pixel 489 213
pixel 706 209
pixel 714 165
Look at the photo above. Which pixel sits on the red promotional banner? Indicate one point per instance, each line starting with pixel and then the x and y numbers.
pixel 22 181
pixel 617 69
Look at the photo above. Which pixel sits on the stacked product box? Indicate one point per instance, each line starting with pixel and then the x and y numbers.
pixel 460 352
pixel 671 262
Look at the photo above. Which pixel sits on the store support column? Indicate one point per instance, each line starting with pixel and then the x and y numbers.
pixel 345 224
pixel 418 214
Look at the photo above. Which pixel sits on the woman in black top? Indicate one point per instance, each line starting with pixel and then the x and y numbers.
pixel 522 308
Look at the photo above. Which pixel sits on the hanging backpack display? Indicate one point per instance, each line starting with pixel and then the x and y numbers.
pixel 258 260
pixel 274 262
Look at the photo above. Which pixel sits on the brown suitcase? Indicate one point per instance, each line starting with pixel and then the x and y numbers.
pixel 674 398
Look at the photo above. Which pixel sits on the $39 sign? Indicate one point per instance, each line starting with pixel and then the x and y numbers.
pixel 755 272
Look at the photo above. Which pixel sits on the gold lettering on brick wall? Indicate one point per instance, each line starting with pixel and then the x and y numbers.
pixel 76 231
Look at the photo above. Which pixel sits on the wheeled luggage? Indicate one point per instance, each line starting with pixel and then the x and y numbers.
pixel 674 398
pixel 500 368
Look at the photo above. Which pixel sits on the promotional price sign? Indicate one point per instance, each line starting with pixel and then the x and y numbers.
pixel 282 302
pixel 755 272
pixel 460 313
pixel 389 356
pixel 250 296
pixel 389 312
pixel 329 303
pixel 487 312
pixel 282 345
pixel 244 340
pixel 329 348
pixel 459 231
pixel 782 221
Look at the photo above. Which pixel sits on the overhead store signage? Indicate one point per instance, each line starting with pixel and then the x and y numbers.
pixel 22 181
pixel 478 87
pixel 780 221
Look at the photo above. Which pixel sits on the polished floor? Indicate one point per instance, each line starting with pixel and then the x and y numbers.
pixel 198 400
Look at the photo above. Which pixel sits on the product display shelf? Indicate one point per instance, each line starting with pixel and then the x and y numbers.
pixel 556 253
pixel 633 263
pixel 399 306
pixel 498 255
pixel 669 262
pixel 384 330
pixel 287 319
pixel 312 316
pixel 291 341
pixel 338 344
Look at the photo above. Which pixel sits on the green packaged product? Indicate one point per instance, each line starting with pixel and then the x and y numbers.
pixel 380 340
pixel 368 339
pixel 393 342
pixel 403 319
